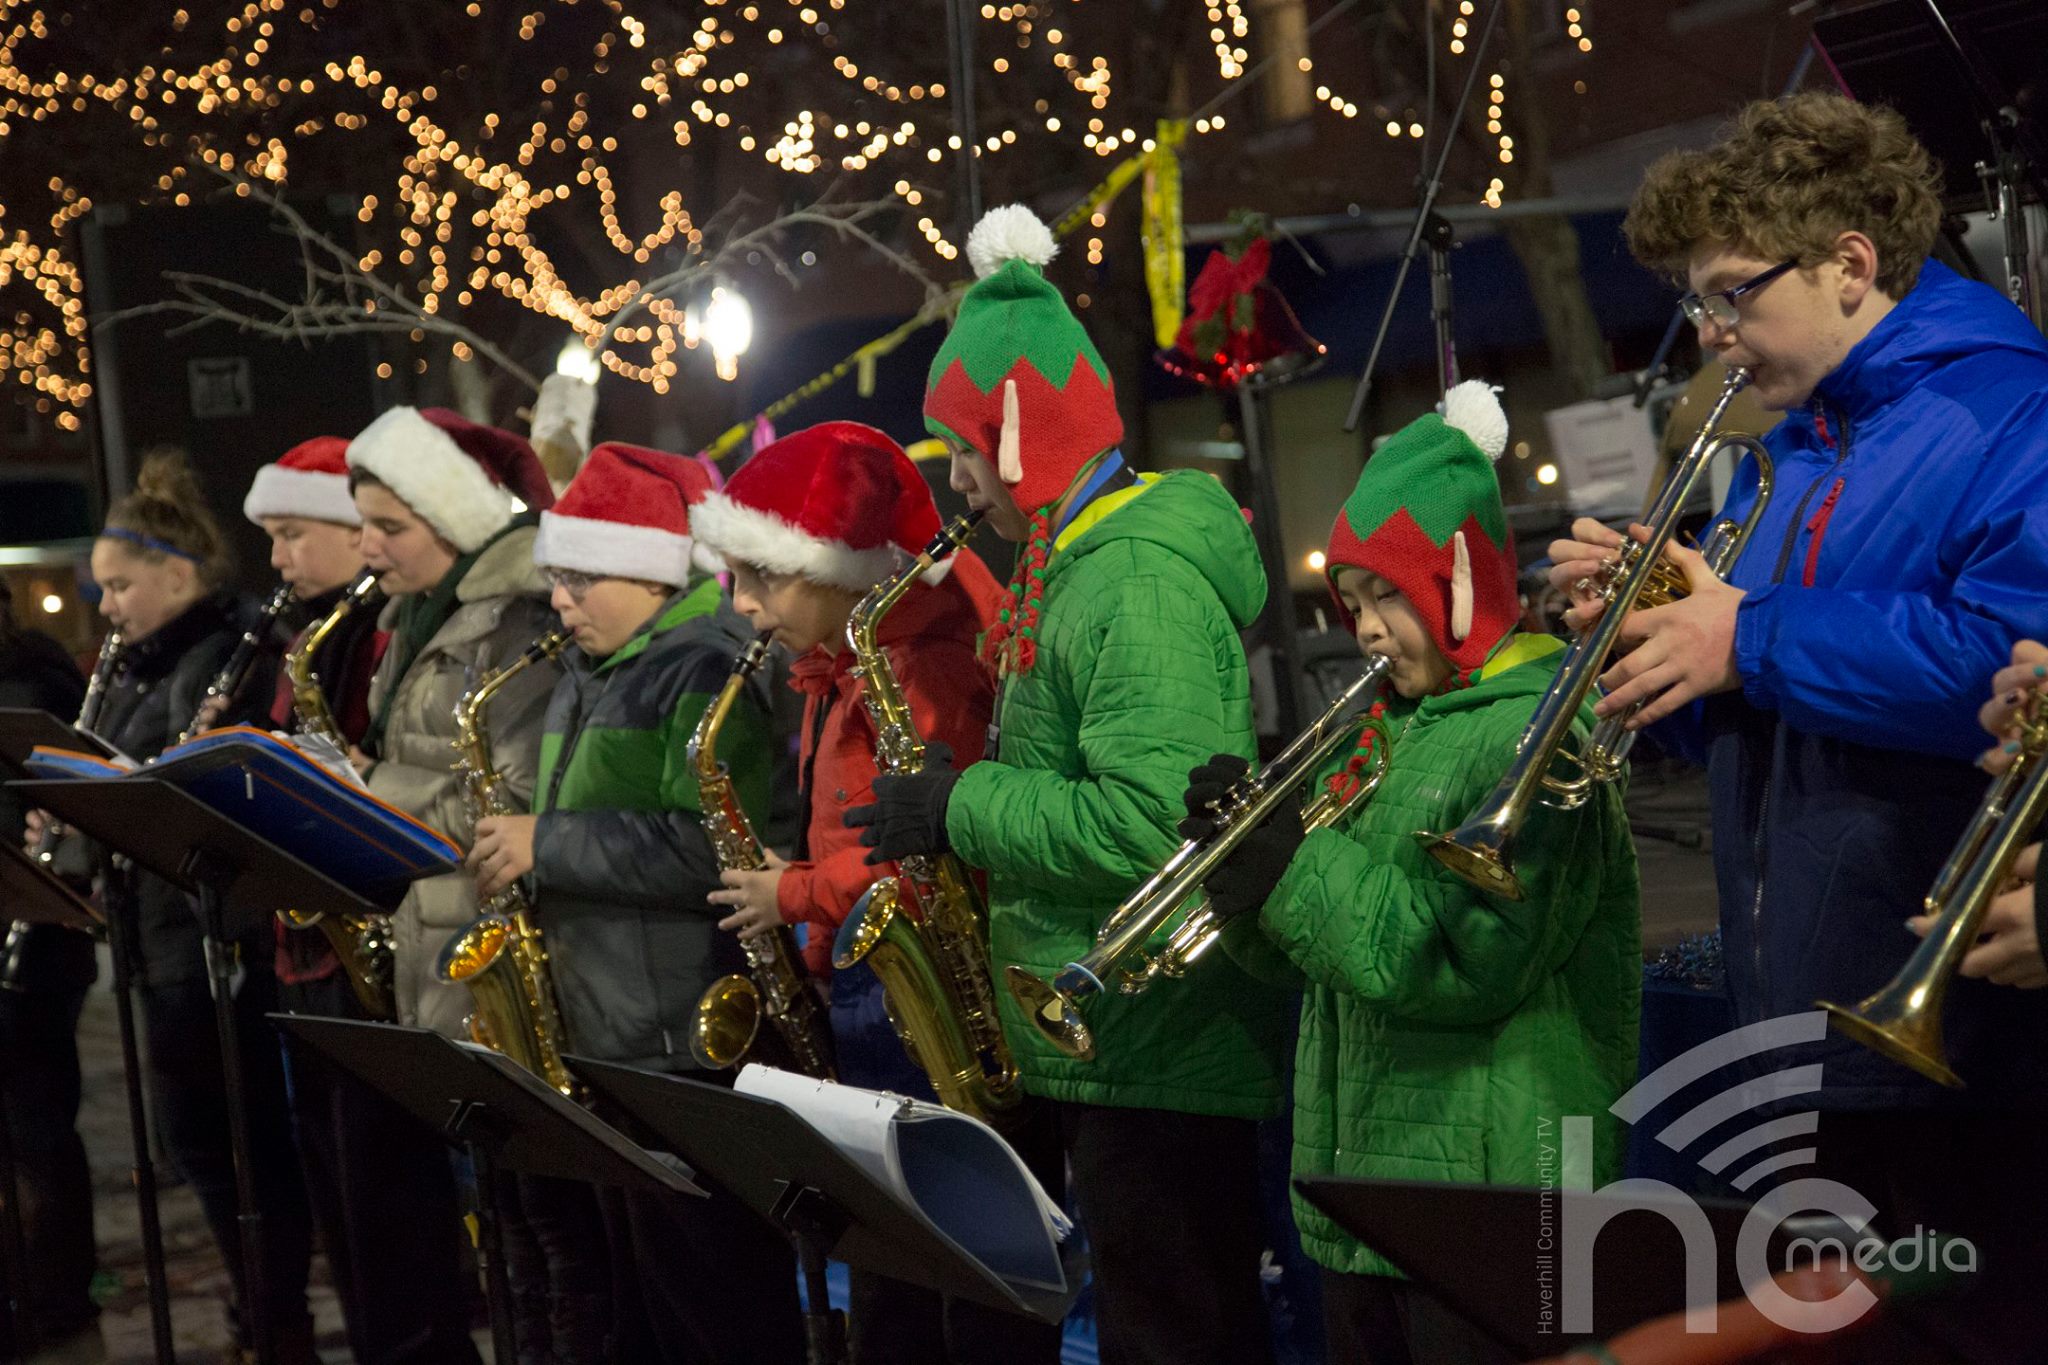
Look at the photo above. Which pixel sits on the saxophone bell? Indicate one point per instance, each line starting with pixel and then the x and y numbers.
pixel 501 956
pixel 726 1026
pixel 933 965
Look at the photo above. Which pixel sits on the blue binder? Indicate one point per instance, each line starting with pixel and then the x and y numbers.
pixel 272 789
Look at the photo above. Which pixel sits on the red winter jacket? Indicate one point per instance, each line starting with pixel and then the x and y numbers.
pixel 930 637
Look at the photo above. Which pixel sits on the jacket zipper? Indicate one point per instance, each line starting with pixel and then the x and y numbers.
pixel 1841 449
pixel 1818 529
pixel 1818 525
pixel 571 737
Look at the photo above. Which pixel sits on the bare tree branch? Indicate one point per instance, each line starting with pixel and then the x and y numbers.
pixel 343 298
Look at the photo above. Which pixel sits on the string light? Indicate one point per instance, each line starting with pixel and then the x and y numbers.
pixel 469 208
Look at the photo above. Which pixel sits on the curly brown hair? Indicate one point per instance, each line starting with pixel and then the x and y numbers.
pixel 1786 178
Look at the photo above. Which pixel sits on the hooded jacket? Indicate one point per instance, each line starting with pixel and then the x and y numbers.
pixel 1904 551
pixel 1140 676
pixel 155 693
pixel 1447 1034
pixel 501 608
pixel 930 637
pixel 621 862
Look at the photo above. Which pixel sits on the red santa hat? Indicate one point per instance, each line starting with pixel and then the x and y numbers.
pixel 626 514
pixel 310 480
pixel 838 503
pixel 464 479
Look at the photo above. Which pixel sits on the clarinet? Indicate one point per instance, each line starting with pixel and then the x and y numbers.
pixel 235 671
pixel 16 947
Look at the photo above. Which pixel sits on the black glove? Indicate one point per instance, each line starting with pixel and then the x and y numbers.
pixel 908 817
pixel 1248 875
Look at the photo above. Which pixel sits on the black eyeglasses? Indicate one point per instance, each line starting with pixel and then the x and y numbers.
pixel 1719 306
pixel 570 581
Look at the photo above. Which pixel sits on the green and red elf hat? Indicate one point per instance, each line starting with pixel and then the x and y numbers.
pixel 1017 379
pixel 1427 517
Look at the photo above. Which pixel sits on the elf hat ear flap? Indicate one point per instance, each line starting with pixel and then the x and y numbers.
pixel 1461 589
pixel 1010 450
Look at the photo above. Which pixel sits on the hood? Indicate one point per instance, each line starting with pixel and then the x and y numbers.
pixel 505 567
pixel 963 602
pixel 1520 665
pixel 960 605
pixel 1942 319
pixel 1190 515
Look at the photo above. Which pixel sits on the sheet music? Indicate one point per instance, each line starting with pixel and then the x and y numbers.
pixel 952 1168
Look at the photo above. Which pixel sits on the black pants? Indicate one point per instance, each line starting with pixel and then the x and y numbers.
pixel 718 1283
pixel 1170 1205
pixel 384 1195
pixel 1972 1175
pixel 191 1111
pixel 40 1091
pixel 558 1261
pixel 1379 1320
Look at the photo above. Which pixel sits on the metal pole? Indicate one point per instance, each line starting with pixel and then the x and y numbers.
pixel 1276 618
pixel 967 167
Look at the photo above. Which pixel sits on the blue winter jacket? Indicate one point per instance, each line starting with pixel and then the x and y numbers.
pixel 1904 550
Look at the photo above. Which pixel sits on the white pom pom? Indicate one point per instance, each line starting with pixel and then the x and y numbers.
pixel 1009 233
pixel 1473 408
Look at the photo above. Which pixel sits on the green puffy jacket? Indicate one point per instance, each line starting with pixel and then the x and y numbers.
pixel 1140 676
pixel 1446 1033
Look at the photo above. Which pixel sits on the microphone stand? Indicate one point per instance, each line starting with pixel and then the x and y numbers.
pixel 1430 227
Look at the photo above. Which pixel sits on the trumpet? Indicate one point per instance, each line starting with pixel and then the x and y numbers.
pixel 1481 850
pixel 1119 956
pixel 1902 1019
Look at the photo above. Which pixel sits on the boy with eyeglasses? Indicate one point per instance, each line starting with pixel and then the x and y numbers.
pixel 1903 552
pixel 621 871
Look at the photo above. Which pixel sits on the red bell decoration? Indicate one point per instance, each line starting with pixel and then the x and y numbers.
pixel 1238 325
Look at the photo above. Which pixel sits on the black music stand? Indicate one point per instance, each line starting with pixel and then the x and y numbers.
pixel 773 1161
pixel 1494 1253
pixel 240 880
pixel 25 882
pixel 503 1116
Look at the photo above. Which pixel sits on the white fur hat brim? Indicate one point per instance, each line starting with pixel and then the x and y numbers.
pixel 735 532
pixel 281 492
pixel 434 476
pixel 612 549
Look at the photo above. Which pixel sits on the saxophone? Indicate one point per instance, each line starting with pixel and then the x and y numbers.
pixel 14 951
pixel 501 956
pixel 727 1025
pixel 934 973
pixel 362 942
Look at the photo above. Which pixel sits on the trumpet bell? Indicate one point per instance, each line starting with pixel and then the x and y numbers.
pixel 1901 1022
pixel 728 1016
pixel 1478 852
pixel 1054 1013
